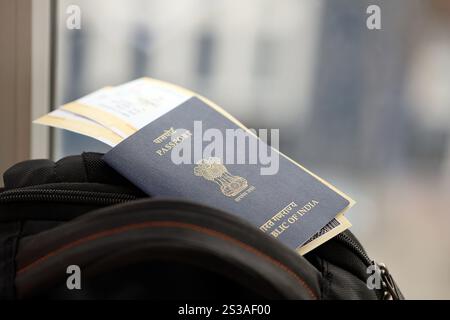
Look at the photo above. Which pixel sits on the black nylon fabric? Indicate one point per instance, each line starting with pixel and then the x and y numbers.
pixel 89 167
pixel 342 273
pixel 29 173
pixel 341 283
pixel 334 253
pixel 9 237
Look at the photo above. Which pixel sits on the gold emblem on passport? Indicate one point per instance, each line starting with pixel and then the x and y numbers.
pixel 213 170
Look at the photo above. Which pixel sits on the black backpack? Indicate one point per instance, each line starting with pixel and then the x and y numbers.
pixel 79 213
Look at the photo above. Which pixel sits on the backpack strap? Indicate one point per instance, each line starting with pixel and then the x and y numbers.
pixel 176 232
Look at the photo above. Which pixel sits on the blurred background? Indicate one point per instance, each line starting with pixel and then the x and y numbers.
pixel 368 110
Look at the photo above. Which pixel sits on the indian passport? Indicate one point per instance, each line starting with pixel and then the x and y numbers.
pixel 290 204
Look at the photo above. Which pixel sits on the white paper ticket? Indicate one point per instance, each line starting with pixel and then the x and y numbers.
pixel 130 107
pixel 65 120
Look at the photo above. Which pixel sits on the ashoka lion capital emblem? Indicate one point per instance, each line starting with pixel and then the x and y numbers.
pixel 213 170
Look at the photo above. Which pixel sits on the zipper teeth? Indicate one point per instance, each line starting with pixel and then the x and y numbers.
pixel 360 252
pixel 64 195
pixel 355 247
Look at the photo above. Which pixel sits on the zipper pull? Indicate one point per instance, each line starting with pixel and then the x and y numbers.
pixel 390 288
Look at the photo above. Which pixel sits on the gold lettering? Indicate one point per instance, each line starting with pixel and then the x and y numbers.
pixel 172 144
pixel 164 136
pixel 307 207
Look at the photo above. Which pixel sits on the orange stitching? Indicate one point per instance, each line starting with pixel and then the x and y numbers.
pixel 154 224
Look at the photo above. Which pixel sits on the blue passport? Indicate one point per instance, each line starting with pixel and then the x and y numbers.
pixel 291 205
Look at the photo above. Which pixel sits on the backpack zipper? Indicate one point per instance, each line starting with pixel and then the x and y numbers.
pixel 355 247
pixel 57 195
pixel 389 289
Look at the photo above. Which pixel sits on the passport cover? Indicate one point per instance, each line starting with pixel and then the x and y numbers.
pixel 292 205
